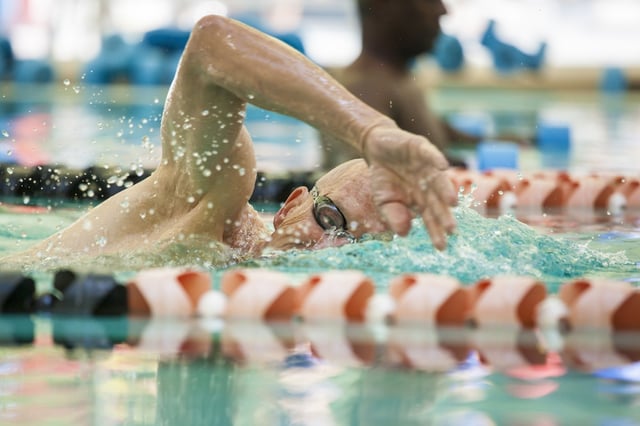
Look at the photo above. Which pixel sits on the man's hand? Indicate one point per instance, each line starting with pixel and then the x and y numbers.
pixel 408 179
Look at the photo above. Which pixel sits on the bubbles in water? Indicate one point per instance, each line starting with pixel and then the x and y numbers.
pixel 5 133
pixel 66 82
pixel 191 199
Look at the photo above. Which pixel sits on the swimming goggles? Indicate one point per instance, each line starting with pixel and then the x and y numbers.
pixel 329 216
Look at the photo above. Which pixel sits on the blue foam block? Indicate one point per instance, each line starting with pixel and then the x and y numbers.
pixel 613 80
pixel 497 155
pixel 33 71
pixel 449 53
pixel 553 137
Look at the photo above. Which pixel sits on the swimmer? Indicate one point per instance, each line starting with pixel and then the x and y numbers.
pixel 393 35
pixel 200 189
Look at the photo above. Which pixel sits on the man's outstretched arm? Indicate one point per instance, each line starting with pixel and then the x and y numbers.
pixel 408 171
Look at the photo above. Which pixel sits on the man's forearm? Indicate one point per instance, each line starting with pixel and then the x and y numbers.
pixel 271 75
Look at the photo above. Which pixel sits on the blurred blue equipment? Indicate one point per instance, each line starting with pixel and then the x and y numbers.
pixel 506 57
pixel 554 144
pixel 33 71
pixel 553 137
pixel 448 53
pixel 6 58
pixel 471 124
pixel 497 155
pixel 613 80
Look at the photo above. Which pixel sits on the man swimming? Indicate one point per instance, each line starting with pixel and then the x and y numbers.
pixel 201 188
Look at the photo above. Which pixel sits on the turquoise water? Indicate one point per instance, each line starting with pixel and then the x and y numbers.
pixel 136 372
pixel 481 247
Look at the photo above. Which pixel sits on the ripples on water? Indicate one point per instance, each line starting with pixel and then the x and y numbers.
pixel 481 247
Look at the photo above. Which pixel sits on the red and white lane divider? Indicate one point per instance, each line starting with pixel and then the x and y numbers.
pixel 504 190
pixel 421 298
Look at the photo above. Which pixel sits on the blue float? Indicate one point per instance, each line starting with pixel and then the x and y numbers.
pixel 507 58
pixel 497 155
pixel 33 71
pixel 6 58
pixel 613 80
pixel 449 53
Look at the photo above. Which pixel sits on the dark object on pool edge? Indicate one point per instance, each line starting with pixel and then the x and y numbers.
pixel 54 182
pixel 59 182
pixel 99 295
pixel 16 293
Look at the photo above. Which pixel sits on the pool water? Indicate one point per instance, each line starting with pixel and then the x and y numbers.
pixel 132 371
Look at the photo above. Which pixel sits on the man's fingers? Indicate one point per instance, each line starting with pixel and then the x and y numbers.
pixel 444 188
pixel 441 212
pixel 435 230
pixel 397 216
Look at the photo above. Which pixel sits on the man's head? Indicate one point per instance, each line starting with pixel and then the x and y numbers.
pixel 410 27
pixel 337 209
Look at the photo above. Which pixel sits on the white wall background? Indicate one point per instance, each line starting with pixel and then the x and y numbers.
pixel 584 33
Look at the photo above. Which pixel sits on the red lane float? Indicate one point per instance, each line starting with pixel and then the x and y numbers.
pixel 421 298
pixel 506 300
pixel 429 298
pixel 336 295
pixel 489 191
pixel 258 294
pixel 600 303
pixel 167 292
pixel 503 189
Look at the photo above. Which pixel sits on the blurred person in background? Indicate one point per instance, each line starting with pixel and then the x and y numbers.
pixel 394 33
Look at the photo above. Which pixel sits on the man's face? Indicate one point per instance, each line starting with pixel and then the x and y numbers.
pixel 336 211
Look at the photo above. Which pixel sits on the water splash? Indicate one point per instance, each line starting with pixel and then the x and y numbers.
pixel 480 248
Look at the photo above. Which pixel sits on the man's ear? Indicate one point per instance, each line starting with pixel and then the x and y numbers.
pixel 296 198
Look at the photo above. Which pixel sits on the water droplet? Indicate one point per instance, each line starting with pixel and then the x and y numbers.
pixel 205 112
pixel 5 133
pixel 206 172
pixel 191 199
pixel 66 82
pixel 101 241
